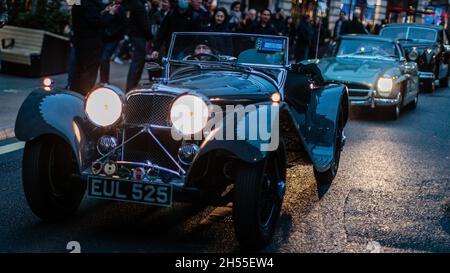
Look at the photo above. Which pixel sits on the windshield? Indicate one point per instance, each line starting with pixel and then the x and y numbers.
pixel 228 47
pixel 366 48
pixel 412 33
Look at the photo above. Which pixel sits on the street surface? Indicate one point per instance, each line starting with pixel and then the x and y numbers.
pixel 391 194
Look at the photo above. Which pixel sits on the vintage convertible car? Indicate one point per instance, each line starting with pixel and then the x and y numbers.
pixel 154 144
pixel 375 71
pixel 427 45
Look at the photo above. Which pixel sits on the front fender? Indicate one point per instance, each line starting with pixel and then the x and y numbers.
pixel 317 124
pixel 59 113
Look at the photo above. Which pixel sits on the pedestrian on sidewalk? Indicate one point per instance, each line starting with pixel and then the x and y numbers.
pixel 354 26
pixel 113 34
pixel 305 32
pixel 140 31
pixel 88 22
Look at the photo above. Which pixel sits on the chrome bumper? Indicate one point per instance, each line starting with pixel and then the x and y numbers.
pixel 426 75
pixel 372 101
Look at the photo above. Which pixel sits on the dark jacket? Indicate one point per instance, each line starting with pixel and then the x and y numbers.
pixel 88 24
pixel 175 21
pixel 117 28
pixel 353 27
pixel 139 24
pixel 218 28
pixel 279 24
pixel 247 26
pixel 338 27
pixel 269 29
pixel 305 32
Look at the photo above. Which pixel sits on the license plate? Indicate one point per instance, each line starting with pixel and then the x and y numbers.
pixel 130 191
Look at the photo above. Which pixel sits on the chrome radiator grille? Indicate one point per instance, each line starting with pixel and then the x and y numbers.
pixel 143 109
pixel 143 148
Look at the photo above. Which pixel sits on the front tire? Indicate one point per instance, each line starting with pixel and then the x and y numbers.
pixel 51 181
pixel 258 196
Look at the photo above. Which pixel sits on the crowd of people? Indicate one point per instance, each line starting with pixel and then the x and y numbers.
pixel 103 30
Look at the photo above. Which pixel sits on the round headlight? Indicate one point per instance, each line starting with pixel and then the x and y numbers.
pixel 103 107
pixel 189 114
pixel 385 84
pixel 413 55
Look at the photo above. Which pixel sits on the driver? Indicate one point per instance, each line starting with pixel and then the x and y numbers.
pixel 202 49
pixel 203 52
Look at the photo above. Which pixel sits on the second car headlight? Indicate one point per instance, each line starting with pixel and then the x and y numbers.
pixel 385 85
pixel 103 107
pixel 189 114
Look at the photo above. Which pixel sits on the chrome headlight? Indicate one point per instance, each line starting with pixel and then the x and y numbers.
pixel 103 106
pixel 385 85
pixel 189 114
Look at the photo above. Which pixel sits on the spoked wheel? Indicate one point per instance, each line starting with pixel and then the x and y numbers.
pixel 259 192
pixel 328 176
pixel 51 181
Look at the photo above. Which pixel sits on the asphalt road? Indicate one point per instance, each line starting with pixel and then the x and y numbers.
pixel 392 194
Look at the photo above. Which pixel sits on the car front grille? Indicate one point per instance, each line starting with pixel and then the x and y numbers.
pixel 145 109
pixel 358 93
pixel 144 148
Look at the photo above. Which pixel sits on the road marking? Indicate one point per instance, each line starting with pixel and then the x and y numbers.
pixel 11 91
pixel 12 147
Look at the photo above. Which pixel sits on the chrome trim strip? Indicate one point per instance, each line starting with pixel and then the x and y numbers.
pixel 165 151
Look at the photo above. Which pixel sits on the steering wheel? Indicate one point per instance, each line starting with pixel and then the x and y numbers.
pixel 199 55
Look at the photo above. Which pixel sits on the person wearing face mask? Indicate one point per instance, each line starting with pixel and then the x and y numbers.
pixel 183 18
pixel 263 26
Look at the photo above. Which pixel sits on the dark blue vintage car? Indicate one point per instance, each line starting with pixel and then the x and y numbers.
pixel 428 46
pixel 195 135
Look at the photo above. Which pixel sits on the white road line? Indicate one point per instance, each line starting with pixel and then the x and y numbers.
pixel 11 147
